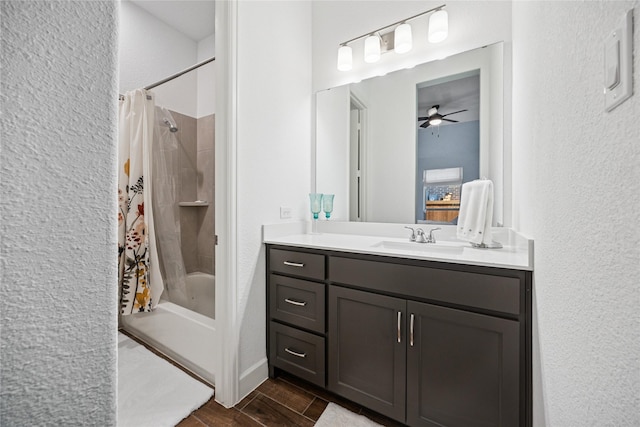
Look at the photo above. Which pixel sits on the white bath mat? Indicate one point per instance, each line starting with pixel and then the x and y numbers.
pixel 151 391
pixel 336 416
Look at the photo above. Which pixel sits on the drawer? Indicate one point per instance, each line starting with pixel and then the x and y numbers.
pixel 298 302
pixel 300 264
pixel 297 352
pixel 485 291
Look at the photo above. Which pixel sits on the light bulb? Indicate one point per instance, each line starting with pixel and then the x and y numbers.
pixel 438 26
pixel 345 58
pixel 403 42
pixel 371 49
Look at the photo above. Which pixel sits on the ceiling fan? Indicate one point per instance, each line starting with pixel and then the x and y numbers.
pixel 434 118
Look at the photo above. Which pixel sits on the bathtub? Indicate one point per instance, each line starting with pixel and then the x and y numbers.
pixel 185 335
pixel 201 291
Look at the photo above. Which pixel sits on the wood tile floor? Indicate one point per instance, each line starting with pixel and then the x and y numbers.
pixel 283 401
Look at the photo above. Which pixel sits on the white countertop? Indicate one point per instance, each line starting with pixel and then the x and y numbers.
pixel 388 240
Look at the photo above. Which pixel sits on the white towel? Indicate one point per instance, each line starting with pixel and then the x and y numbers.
pixel 476 212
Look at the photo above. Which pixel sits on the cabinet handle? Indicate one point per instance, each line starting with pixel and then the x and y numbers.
pixel 411 332
pixel 399 323
pixel 295 353
pixel 298 303
pixel 293 264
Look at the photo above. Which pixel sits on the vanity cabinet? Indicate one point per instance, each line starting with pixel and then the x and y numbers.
pixel 462 368
pixel 367 352
pixel 296 314
pixel 425 343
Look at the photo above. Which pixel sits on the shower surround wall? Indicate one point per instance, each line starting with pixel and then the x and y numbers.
pixel 196 138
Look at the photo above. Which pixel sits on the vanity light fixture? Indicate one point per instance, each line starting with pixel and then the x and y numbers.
pixel 372 48
pixel 403 41
pixel 400 39
pixel 438 26
pixel 345 58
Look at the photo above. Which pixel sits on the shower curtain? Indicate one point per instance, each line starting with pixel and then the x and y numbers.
pixel 166 169
pixel 139 274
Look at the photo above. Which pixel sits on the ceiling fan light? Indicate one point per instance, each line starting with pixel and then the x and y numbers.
pixel 435 121
pixel 438 26
pixel 371 49
pixel 403 41
pixel 345 58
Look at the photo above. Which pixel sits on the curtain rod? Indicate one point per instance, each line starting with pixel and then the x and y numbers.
pixel 174 76
pixel 178 74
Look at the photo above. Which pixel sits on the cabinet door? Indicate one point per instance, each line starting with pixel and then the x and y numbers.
pixel 367 349
pixel 462 369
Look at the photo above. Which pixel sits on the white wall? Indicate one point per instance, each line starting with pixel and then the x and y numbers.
pixel 150 50
pixel 273 147
pixel 58 275
pixel 335 22
pixel 576 191
pixel 206 77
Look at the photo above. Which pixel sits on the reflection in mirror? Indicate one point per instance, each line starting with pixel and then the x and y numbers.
pixel 448 144
pixel 368 149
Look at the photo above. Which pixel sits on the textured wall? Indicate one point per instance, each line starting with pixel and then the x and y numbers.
pixel 576 192
pixel 58 276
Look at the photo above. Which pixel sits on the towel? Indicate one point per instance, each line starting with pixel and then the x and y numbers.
pixel 476 212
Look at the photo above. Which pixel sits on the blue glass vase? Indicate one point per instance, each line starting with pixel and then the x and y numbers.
pixel 315 200
pixel 327 204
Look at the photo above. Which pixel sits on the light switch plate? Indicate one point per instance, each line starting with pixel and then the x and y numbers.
pixel 618 62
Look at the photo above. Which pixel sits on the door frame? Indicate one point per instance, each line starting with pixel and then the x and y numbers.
pixel 227 328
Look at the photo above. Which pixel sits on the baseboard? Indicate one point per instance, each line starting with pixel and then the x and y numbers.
pixel 252 378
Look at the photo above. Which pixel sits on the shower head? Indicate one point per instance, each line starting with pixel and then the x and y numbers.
pixel 172 127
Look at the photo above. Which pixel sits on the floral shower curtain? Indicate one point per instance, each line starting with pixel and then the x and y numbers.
pixel 140 283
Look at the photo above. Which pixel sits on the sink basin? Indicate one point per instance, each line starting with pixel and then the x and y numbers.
pixel 444 248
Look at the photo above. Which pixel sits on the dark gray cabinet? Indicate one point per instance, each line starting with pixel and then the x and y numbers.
pixel 426 343
pixel 462 368
pixel 366 349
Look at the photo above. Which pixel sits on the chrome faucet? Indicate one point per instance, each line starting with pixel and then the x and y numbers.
pixel 422 238
pixel 412 238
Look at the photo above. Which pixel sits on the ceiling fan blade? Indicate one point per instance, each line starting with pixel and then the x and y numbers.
pixel 422 118
pixel 455 112
pixel 449 120
pixel 425 125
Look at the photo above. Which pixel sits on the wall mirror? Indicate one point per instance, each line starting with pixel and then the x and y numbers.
pixel 372 149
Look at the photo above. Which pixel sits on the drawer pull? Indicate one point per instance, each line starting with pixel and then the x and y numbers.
pixel 293 264
pixel 298 303
pixel 411 333
pixel 399 323
pixel 295 353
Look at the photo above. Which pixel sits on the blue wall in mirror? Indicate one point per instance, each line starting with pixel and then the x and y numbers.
pixel 447 146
